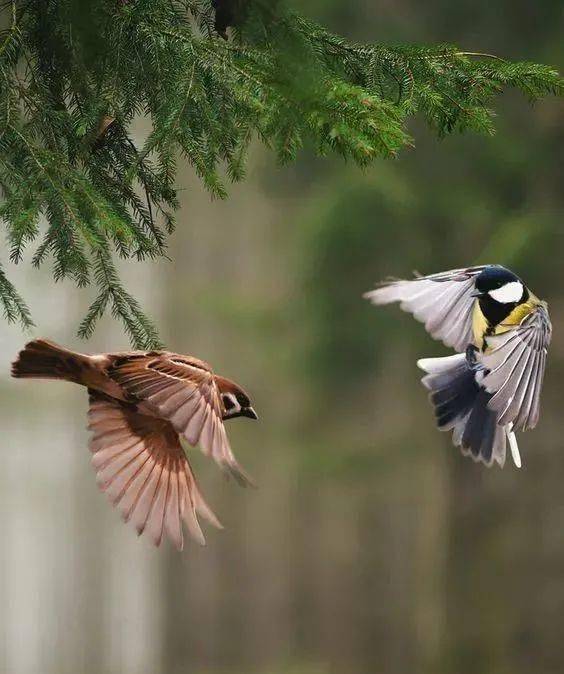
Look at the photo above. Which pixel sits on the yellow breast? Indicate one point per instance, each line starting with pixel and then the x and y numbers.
pixel 479 325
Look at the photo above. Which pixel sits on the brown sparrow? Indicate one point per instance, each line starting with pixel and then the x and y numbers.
pixel 141 405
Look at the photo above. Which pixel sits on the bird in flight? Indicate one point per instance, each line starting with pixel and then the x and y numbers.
pixel 491 387
pixel 141 406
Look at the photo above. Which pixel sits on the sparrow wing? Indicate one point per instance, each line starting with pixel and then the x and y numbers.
pixel 516 362
pixel 183 391
pixel 144 471
pixel 443 302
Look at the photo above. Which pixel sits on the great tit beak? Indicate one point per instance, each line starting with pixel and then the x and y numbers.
pixel 249 412
pixel 477 293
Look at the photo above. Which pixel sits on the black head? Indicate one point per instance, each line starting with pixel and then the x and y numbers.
pixel 499 291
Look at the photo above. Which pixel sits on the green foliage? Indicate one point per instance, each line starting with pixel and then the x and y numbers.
pixel 74 76
pixel 343 246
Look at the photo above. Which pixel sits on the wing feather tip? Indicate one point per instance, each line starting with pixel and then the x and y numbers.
pixel 211 517
pixel 382 295
pixel 369 295
pixel 196 533
pixel 240 475
pixel 178 545
pixel 423 364
pixel 513 446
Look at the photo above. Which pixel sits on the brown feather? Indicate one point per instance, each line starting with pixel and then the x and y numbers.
pixel 185 392
pixel 142 468
pixel 141 404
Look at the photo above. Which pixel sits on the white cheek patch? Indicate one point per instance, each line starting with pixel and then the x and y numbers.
pixel 510 292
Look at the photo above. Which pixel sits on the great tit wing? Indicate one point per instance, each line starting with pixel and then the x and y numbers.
pixel 516 362
pixel 182 390
pixel 144 472
pixel 443 302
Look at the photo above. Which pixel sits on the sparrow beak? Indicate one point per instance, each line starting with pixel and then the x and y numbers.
pixel 249 412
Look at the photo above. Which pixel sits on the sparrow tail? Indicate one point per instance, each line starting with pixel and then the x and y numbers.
pixel 42 359
pixel 461 405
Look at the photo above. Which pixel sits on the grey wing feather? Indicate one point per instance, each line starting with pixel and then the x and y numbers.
pixel 443 302
pixel 516 363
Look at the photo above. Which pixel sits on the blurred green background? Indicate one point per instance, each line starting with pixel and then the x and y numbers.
pixel 371 544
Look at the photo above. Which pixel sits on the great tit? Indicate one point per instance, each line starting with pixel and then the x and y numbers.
pixel 501 332
pixel 142 405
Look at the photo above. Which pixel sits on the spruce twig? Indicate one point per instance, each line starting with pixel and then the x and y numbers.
pixel 75 75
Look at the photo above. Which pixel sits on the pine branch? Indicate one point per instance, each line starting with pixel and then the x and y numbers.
pixel 74 76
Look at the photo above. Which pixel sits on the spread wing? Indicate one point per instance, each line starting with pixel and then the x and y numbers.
pixel 443 302
pixel 144 471
pixel 183 391
pixel 516 362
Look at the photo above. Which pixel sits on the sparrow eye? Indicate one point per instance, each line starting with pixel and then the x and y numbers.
pixel 228 403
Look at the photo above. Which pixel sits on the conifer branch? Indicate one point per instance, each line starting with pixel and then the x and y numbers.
pixel 210 75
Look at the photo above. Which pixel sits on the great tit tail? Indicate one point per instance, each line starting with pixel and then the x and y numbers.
pixel 461 406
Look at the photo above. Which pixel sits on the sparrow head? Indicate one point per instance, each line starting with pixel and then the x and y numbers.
pixel 499 285
pixel 236 402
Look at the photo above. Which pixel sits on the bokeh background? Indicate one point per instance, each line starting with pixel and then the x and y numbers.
pixel 371 544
